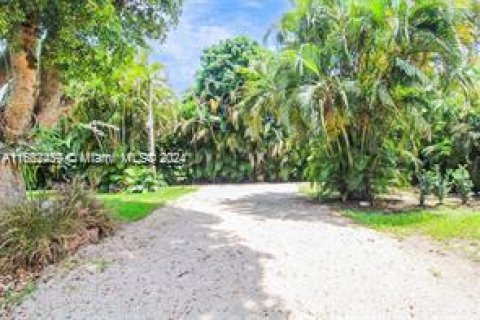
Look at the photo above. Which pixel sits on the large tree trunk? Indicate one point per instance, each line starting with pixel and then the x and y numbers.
pixel 18 113
pixel 17 116
pixel 12 186
pixel 50 107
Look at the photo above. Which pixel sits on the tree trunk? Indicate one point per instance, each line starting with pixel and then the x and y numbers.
pixel 3 78
pixel 12 186
pixel 50 107
pixel 19 110
pixel 17 116
pixel 151 128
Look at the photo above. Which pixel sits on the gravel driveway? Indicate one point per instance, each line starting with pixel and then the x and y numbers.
pixel 255 252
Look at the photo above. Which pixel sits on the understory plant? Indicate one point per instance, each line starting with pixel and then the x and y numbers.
pixel 426 184
pixel 442 183
pixel 463 183
pixel 141 179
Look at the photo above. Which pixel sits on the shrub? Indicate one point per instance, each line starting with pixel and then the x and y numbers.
pixel 463 183
pixel 426 182
pixel 141 179
pixel 42 230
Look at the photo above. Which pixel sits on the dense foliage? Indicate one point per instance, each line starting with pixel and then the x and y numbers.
pixel 88 38
pixel 52 45
pixel 361 78
pixel 109 117
pixel 361 96
pixel 214 122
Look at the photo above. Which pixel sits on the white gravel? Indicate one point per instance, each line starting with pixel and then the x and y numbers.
pixel 255 252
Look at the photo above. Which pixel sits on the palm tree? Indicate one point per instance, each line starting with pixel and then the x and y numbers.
pixel 364 69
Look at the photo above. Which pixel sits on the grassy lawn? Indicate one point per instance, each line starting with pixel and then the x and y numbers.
pixel 441 224
pixel 134 207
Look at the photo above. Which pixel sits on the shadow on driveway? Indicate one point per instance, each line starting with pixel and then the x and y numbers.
pixel 173 265
pixel 286 206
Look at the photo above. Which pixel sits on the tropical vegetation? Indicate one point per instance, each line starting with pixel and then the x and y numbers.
pixel 52 44
pixel 358 98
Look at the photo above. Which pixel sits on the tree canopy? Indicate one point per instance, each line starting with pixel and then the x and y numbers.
pixel 54 42
pixel 85 36
pixel 220 73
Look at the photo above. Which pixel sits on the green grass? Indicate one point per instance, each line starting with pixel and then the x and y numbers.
pixel 441 224
pixel 134 207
